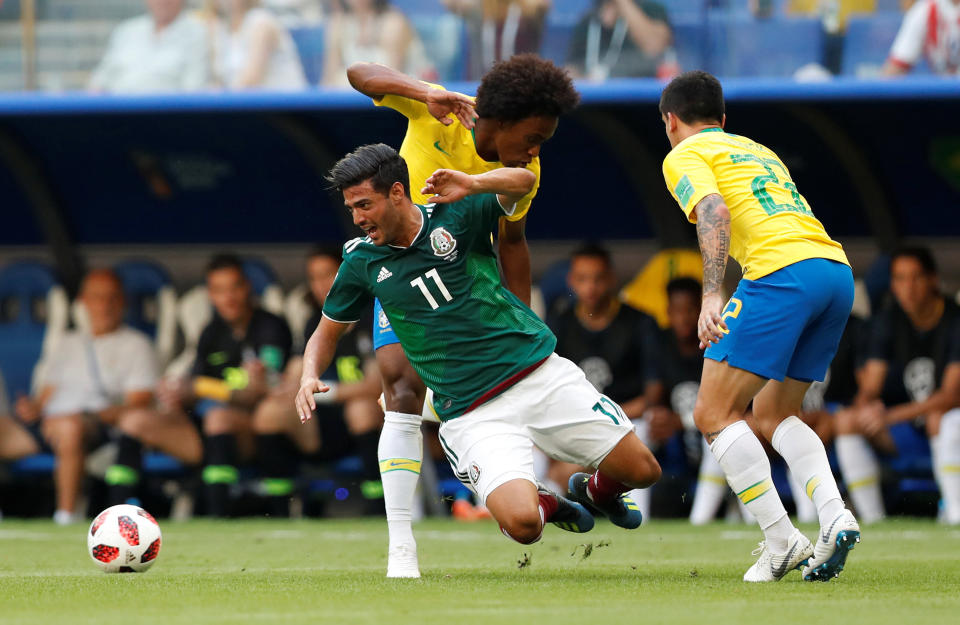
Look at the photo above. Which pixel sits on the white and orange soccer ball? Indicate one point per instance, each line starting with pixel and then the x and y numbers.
pixel 124 539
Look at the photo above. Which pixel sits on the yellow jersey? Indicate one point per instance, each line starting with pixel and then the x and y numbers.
pixel 771 224
pixel 429 146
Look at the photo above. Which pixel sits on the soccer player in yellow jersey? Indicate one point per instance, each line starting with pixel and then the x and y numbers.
pixel 516 110
pixel 775 336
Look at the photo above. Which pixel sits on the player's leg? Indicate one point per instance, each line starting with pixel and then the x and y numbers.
pixel 66 435
pixel 944 433
pixel 15 440
pixel 168 431
pixel 400 449
pixel 222 427
pixel 641 496
pixel 570 421
pixel 712 488
pixel 364 421
pixel 859 467
pixel 490 452
pixel 280 441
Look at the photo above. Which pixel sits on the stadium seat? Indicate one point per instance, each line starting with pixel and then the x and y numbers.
pixel 151 303
pixel 867 43
pixel 776 47
pixel 309 41
pixel 444 39
pixel 557 37
pixel 297 310
pixel 689 41
pixel 33 314
pixel 264 281
pixel 553 286
pixel 571 11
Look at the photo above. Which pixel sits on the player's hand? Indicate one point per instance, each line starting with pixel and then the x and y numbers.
pixel 442 103
pixel 711 327
pixel 872 418
pixel 447 185
pixel 663 423
pixel 305 402
pixel 27 409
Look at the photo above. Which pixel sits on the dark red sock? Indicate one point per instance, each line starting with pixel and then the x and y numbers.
pixel 548 505
pixel 603 488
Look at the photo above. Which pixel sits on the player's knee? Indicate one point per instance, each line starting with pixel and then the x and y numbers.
pixel 647 470
pixel 218 421
pixel 845 422
pixel 135 423
pixel 524 526
pixel 273 416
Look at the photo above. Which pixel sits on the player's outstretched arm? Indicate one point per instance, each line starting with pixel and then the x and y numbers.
pixel 713 232
pixel 509 183
pixel 375 81
pixel 317 356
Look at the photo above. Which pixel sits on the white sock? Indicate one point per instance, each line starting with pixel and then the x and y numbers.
pixel 711 488
pixel 806 511
pixel 400 453
pixel 641 496
pixel 861 473
pixel 946 459
pixel 802 449
pixel 748 472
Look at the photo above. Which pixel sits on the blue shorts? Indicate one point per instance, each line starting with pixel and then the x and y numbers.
pixel 787 323
pixel 383 333
pixel 204 405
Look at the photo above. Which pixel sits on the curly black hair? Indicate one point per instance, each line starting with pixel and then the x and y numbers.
pixel 525 86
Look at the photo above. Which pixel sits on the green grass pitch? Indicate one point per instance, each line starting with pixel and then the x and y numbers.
pixel 271 571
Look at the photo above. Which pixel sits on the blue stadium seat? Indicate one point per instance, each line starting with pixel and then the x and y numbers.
pixel 776 47
pixel 686 10
pixel 24 287
pixel 142 280
pixel 690 41
pixel 421 7
pixel 444 37
pixel 309 41
pixel 556 39
pixel 259 273
pixel 570 11
pixel 867 43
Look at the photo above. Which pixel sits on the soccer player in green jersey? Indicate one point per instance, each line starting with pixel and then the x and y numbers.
pixel 498 387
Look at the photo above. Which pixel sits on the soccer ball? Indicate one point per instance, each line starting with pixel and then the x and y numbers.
pixel 124 539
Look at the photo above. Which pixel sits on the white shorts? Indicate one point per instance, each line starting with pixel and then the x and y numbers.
pixel 554 408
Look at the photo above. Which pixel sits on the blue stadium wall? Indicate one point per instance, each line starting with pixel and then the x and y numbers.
pixel 874 159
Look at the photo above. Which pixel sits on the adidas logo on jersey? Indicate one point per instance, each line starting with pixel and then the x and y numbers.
pixel 383 275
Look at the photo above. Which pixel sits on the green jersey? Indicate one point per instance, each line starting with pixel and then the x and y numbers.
pixel 465 334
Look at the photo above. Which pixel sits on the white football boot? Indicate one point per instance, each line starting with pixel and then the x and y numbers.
pixel 833 545
pixel 402 561
pixel 772 567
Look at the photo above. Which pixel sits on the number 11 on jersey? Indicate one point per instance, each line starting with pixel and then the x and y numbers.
pixel 435 276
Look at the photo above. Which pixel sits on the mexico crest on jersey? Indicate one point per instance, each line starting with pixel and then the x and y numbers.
pixel 442 242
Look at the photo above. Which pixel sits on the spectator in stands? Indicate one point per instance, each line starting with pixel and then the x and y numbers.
pixel 15 440
pixel 252 49
pixel 349 417
pixel 499 29
pixel 241 356
pixel 615 345
pixel 622 39
pixel 912 373
pixel 376 32
pixel 165 50
pixel 94 379
pixel 931 29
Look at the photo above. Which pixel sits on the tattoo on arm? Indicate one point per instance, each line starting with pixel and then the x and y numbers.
pixel 713 232
pixel 712 436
